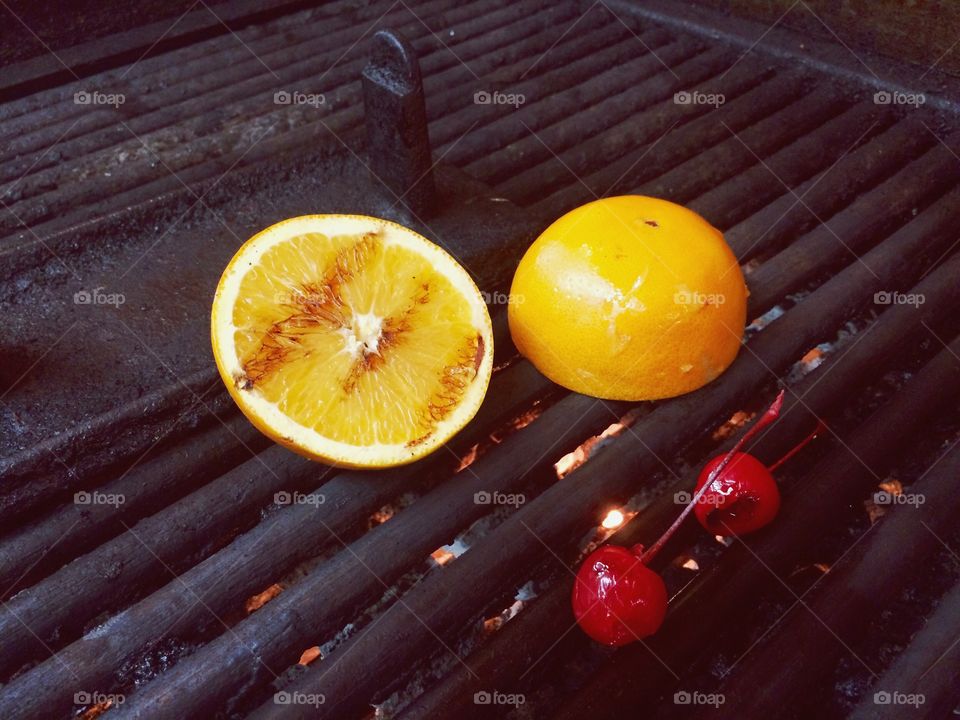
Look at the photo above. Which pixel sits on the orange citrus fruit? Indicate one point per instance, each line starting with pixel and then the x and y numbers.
pixel 629 298
pixel 351 340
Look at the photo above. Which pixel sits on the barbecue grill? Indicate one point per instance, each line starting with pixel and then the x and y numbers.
pixel 161 559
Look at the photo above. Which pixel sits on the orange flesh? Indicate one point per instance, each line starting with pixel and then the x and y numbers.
pixel 360 340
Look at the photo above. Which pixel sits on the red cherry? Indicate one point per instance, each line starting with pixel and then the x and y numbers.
pixel 616 598
pixel 743 497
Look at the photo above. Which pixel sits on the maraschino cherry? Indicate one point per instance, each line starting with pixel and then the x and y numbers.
pixel 743 497
pixel 617 598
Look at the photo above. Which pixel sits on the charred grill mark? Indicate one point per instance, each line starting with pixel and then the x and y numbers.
pixel 394 327
pixel 391 334
pixel 277 347
pixel 315 305
pixel 454 378
pixel 478 356
pixel 367 362
pixel 417 441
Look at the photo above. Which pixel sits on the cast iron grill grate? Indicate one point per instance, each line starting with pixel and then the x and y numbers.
pixel 228 561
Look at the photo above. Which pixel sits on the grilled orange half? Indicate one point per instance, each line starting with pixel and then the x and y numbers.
pixel 351 340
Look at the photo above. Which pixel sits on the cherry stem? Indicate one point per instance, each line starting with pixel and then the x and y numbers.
pixel 772 413
pixel 821 426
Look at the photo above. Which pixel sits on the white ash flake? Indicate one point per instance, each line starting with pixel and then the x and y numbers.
pixel 443 555
pixel 768 317
pixel 526 592
pixel 498 621
pixel 103 629
pixel 815 357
